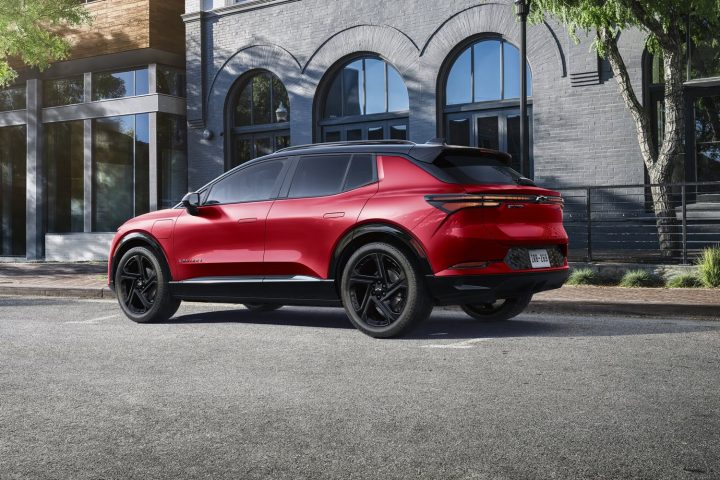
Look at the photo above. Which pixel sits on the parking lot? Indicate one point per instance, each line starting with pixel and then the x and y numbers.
pixel 220 392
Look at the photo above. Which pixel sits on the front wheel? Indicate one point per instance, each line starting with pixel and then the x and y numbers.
pixel 503 309
pixel 383 291
pixel 141 286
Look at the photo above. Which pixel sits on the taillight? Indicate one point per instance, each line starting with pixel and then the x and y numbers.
pixel 453 203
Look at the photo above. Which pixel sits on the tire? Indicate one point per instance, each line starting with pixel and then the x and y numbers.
pixel 499 311
pixel 141 286
pixel 262 307
pixel 383 291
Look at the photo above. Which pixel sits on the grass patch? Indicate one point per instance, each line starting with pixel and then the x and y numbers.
pixel 640 278
pixel 585 276
pixel 709 267
pixel 685 280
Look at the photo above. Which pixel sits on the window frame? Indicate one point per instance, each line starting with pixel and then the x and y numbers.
pixel 279 182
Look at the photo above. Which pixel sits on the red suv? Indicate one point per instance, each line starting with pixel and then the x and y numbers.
pixel 387 229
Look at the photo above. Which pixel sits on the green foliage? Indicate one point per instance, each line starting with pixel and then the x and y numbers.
pixel 640 278
pixel 584 276
pixel 684 280
pixel 709 267
pixel 662 20
pixel 29 32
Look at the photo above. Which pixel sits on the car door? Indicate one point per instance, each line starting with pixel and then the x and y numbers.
pixel 320 201
pixel 227 236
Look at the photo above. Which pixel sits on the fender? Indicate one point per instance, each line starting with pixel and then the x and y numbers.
pixel 142 236
pixel 384 229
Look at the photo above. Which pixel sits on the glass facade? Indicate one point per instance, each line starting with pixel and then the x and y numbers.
pixel 12 190
pixel 63 91
pixel 170 81
pixel 120 158
pixel 65 176
pixel 172 159
pixel 119 84
pixel 12 98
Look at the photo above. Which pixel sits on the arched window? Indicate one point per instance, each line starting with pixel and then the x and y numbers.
pixel 259 116
pixel 365 99
pixel 481 99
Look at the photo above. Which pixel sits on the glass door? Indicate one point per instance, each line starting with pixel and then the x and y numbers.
pixel 493 129
pixel 253 145
pixel 707 138
pixel 13 145
pixel 379 130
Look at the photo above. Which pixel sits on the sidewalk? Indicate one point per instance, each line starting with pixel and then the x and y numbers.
pixel 89 280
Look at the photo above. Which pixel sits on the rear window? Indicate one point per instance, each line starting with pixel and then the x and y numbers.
pixel 465 169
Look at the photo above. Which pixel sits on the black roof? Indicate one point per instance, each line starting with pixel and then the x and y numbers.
pixel 423 152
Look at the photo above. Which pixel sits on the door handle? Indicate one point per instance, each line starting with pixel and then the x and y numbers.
pixel 247 220
pixel 334 215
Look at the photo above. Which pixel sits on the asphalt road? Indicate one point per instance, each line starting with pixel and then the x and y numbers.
pixel 220 392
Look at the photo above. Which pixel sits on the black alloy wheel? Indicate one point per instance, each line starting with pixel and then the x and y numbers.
pixel 141 286
pixel 502 309
pixel 383 292
pixel 138 284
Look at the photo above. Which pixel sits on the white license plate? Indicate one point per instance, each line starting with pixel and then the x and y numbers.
pixel 539 258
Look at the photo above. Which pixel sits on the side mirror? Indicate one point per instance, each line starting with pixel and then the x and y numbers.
pixel 191 202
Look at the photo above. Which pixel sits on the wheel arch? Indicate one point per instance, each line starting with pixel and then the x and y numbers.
pixel 138 239
pixel 374 232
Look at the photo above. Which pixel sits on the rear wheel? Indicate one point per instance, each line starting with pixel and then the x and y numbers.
pixel 503 309
pixel 141 286
pixel 383 291
pixel 261 307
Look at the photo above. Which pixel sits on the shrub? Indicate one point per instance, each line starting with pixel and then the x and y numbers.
pixel 684 280
pixel 640 278
pixel 584 276
pixel 709 267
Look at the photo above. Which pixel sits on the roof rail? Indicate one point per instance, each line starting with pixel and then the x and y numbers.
pixel 349 144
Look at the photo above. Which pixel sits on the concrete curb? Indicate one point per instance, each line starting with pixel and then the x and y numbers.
pixel 707 312
pixel 43 291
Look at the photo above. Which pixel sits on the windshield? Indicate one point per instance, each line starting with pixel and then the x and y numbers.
pixel 467 169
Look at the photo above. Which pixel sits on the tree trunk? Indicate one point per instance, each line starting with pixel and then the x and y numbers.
pixel 659 164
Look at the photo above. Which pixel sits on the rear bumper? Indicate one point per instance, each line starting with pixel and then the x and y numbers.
pixel 461 289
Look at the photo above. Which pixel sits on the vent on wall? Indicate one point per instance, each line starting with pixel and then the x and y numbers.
pixel 583 79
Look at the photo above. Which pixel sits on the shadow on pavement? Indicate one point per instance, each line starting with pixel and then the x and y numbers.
pixel 297 317
pixel 447 324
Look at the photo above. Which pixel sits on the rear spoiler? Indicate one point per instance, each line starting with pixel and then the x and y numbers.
pixel 429 152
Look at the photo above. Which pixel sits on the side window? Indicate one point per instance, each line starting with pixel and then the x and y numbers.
pixel 361 172
pixel 317 176
pixel 251 184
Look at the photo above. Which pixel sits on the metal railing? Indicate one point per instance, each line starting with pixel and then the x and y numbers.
pixel 620 223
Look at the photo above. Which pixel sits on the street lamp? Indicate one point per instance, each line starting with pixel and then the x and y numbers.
pixel 522 9
pixel 281 114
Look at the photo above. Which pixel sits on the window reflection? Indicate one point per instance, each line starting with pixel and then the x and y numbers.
pixel 64 164
pixel 120 170
pixel 488 70
pixel 366 86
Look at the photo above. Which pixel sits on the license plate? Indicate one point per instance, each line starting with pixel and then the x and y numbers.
pixel 539 258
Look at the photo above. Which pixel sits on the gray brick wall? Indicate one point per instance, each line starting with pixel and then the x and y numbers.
pixel 582 134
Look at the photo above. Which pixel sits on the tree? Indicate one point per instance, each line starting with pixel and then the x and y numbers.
pixel 664 23
pixel 30 33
